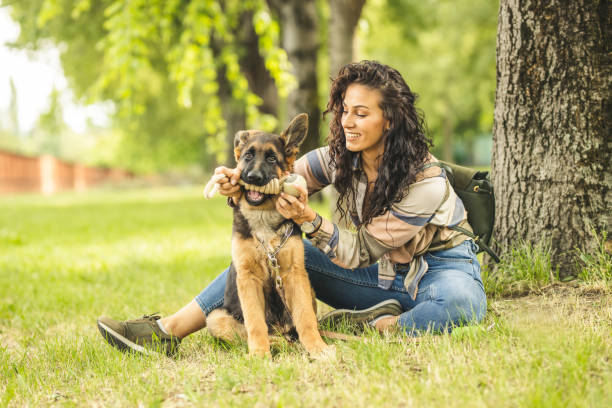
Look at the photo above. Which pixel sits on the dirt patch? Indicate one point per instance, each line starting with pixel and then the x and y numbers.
pixel 559 305
pixel 594 291
pixel 573 288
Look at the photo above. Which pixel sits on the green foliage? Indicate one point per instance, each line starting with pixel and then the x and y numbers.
pixel 275 59
pixel 524 269
pixel 50 127
pixel 154 56
pixel 595 266
pixel 163 59
pixel 445 49
pixel 10 141
pixel 13 109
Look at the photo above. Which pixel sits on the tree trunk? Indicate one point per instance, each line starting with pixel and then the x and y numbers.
pixel 14 110
pixel 253 67
pixel 344 15
pixel 299 33
pixel 234 114
pixel 551 140
pixel 260 83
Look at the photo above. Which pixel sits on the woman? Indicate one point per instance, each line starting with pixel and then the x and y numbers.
pixel 401 205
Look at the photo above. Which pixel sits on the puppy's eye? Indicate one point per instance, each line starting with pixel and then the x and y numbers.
pixel 248 156
pixel 271 159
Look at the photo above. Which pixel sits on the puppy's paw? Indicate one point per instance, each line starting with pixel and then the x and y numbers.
pixel 327 353
pixel 260 353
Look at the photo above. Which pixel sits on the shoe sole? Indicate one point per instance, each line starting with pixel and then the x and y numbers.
pixel 119 342
pixel 390 307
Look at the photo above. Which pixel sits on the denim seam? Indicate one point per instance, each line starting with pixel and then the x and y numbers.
pixel 205 309
pixel 400 290
pixel 458 260
pixel 477 276
pixel 355 282
pixel 431 290
pixel 342 278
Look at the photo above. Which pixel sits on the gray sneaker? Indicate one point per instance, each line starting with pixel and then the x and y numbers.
pixel 390 307
pixel 141 335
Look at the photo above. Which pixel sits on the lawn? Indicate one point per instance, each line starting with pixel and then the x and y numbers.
pixel 66 259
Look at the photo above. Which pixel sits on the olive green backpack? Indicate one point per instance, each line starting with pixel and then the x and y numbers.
pixel 475 189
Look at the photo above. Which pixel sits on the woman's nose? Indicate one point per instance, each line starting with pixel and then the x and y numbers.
pixel 347 121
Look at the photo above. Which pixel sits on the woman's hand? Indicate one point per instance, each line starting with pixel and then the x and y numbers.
pixel 295 208
pixel 228 186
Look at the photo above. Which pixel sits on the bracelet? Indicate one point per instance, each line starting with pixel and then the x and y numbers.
pixel 318 221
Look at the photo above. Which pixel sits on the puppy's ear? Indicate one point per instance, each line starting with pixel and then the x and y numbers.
pixel 294 135
pixel 240 139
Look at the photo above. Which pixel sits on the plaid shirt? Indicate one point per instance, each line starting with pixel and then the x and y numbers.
pixel 398 238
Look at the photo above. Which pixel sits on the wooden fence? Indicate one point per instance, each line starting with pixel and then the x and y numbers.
pixel 46 174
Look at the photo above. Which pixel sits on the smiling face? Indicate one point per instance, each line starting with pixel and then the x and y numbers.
pixel 362 120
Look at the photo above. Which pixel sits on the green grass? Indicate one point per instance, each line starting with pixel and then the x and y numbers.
pixel 527 269
pixel 66 259
pixel 596 267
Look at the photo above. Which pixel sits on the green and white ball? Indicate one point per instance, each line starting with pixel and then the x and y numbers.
pixel 291 181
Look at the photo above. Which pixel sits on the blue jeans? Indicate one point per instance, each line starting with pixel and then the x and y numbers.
pixel 450 294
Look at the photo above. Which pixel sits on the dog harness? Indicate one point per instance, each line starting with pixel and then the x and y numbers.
pixel 274 266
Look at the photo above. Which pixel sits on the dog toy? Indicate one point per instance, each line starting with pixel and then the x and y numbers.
pixel 286 184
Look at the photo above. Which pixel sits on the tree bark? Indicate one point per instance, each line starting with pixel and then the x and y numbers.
pixel 551 139
pixel 299 33
pixel 344 15
pixel 234 114
pixel 260 83
pixel 253 67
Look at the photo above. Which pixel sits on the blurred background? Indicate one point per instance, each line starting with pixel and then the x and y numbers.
pixel 110 91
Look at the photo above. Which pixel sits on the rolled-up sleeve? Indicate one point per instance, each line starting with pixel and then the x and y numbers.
pixel 315 167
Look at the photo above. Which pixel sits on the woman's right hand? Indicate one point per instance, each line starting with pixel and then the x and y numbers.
pixel 228 186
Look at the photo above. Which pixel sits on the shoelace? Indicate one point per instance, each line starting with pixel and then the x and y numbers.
pixel 152 316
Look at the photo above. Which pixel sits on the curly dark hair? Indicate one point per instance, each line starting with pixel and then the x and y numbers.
pixel 405 147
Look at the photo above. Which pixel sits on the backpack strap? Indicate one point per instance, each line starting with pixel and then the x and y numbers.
pixel 461 230
pixel 428 165
pixel 476 239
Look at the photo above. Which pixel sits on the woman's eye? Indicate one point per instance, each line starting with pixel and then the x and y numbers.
pixel 248 156
pixel 272 159
pixel 361 115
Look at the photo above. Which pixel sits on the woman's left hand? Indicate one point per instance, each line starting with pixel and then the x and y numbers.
pixel 295 208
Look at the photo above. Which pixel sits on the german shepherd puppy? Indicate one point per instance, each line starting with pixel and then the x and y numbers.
pixel 252 306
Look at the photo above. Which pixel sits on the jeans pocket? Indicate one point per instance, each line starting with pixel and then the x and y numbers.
pixel 425 293
pixel 476 273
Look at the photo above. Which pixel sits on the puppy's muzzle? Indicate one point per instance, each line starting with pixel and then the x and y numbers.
pixel 273 187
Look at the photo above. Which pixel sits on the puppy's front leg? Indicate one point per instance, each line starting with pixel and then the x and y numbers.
pixel 252 302
pixel 300 301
